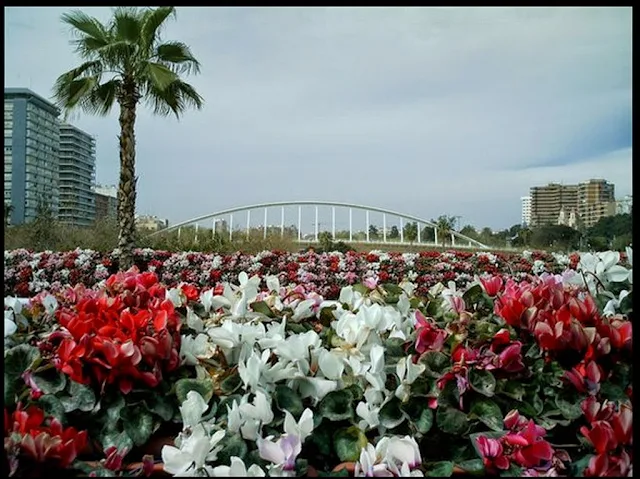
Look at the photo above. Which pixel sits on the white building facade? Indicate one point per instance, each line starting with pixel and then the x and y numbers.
pixel 526 210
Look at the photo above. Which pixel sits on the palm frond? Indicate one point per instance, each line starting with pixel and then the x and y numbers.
pixel 116 55
pixel 152 24
pixel 68 91
pixel 93 68
pixel 127 24
pixel 84 24
pixel 176 98
pixel 178 57
pixel 100 99
pixel 159 76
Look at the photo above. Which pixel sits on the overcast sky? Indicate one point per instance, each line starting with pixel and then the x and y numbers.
pixel 425 111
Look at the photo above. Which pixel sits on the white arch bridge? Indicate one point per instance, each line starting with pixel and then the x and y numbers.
pixel 367 235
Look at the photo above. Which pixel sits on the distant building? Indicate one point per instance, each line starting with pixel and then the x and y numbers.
pixel 548 201
pixel 106 198
pixel 31 162
pixel 151 223
pixel 526 210
pixel 568 219
pixel 624 205
pixel 77 176
pixel 596 199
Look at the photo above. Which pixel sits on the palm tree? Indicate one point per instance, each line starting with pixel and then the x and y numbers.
pixel 446 225
pixel 126 62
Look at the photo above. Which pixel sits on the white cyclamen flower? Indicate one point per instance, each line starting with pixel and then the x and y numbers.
pixel 303 428
pixel 238 469
pixel 190 459
pixel 282 454
pixel 192 409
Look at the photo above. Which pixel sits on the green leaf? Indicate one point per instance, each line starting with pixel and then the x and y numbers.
pixel 357 393
pixel 436 363
pixel 621 374
pixel 80 397
pixel 432 309
pixel 52 406
pixel 392 288
pixel 361 288
pixel 111 436
pixel 301 466
pixel 626 305
pixel 263 308
pixel 162 406
pixel 321 437
pixel 450 395
pixel 419 414
pixel 488 413
pixel 612 392
pixel 533 352
pixel 113 409
pixel 50 381
pixel 422 386
pixel 578 466
pixel 202 386
pixel 295 328
pixel 336 406
pixel 424 421
pixel 234 445
pixel 473 295
pixel 452 421
pixel 482 381
pixel 394 348
pixel 391 414
pixel 512 389
pixel 289 400
pixel 439 469
pixel 474 467
pixel 10 390
pixel 570 410
pixel 341 473
pixel 19 359
pixel 231 383
pixel 138 424
pixel 348 443
pixel 513 471
pixel 326 315
pixel 532 406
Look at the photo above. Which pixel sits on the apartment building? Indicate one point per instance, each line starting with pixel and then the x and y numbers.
pixel 526 211
pixel 31 148
pixel 106 200
pixel 151 223
pixel 548 201
pixel 624 205
pixel 596 199
pixel 77 176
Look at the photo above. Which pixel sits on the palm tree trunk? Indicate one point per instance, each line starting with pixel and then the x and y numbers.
pixel 127 186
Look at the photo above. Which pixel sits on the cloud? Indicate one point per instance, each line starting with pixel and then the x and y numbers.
pixel 421 110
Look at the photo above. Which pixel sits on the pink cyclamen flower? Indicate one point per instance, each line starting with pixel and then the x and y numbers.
pixel 491 285
pixel 371 282
pixel 492 453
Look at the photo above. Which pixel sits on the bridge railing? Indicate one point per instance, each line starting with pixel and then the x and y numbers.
pixel 417 237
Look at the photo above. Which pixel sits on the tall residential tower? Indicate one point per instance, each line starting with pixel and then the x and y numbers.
pixel 526 211
pixel 31 142
pixel 77 176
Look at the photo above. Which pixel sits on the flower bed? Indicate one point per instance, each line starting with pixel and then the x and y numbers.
pixel 130 377
pixel 27 273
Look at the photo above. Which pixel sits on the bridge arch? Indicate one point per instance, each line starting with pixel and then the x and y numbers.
pixel 333 204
